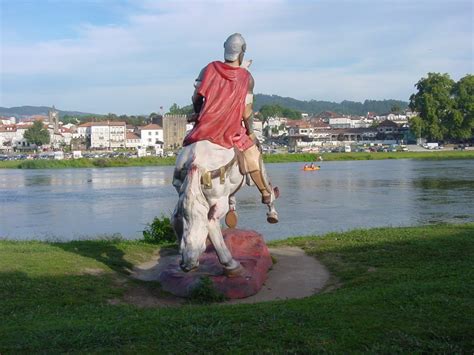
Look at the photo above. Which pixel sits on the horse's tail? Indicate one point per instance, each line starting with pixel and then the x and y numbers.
pixel 194 210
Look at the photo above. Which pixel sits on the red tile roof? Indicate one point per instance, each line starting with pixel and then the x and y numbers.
pixel 131 135
pixel 298 123
pixel 388 123
pixel 150 126
pixel 8 128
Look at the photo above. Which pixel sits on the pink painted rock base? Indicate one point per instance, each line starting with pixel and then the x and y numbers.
pixel 246 246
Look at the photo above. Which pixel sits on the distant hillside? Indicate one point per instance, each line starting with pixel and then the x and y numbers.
pixel 312 106
pixel 345 107
pixel 22 111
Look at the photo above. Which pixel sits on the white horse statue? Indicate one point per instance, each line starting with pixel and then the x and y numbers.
pixel 206 177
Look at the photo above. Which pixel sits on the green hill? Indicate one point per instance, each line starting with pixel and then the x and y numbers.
pixel 315 106
pixel 21 111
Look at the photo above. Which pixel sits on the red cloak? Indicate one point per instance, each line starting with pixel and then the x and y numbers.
pixel 224 89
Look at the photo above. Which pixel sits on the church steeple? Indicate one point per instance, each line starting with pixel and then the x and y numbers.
pixel 53 115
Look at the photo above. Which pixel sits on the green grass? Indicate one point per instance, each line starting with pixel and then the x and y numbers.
pixel 308 157
pixel 87 163
pixel 400 290
pixel 268 158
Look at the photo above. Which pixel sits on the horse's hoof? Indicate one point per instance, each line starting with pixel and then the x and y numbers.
pixel 231 219
pixel 187 269
pixel 236 272
pixel 272 217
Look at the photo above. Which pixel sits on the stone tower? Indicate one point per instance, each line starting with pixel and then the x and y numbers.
pixel 53 115
pixel 174 130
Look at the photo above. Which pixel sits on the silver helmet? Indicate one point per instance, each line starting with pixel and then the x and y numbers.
pixel 233 46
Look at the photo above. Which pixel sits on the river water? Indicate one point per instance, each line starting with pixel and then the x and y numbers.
pixel 70 204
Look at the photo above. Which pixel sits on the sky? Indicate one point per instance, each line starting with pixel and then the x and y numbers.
pixel 134 56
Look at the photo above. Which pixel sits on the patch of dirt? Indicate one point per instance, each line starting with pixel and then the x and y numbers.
pixel 92 271
pixel 143 297
pixel 294 275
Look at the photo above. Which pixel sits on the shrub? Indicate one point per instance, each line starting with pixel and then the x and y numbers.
pixel 159 231
pixel 101 163
pixel 205 292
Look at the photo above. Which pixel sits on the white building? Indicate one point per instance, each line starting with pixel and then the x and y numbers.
pixel 275 126
pixel 103 135
pixel 133 140
pixel 340 122
pixel 20 142
pixel 9 137
pixel 7 121
pixel 151 136
pixel 258 129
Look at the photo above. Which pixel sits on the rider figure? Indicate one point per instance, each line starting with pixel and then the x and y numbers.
pixel 222 100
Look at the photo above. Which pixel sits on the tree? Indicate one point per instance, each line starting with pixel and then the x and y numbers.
pixel 395 108
pixel 434 103
pixel 69 119
pixel 176 110
pixel 267 111
pixel 461 124
pixel 417 126
pixel 37 134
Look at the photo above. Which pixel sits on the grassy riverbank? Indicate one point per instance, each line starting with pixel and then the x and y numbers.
pixel 268 158
pixel 394 290
pixel 428 155
pixel 87 163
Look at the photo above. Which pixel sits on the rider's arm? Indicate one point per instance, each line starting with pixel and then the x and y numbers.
pixel 197 99
pixel 248 117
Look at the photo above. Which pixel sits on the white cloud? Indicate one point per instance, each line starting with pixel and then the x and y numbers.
pixel 308 50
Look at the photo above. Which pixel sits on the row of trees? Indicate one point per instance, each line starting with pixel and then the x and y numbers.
pixel 445 108
pixel 267 111
pixel 134 120
pixel 345 107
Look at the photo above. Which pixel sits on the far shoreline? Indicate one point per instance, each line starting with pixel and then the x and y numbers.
pixel 268 158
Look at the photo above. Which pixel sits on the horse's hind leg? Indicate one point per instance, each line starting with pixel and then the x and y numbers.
pixel 231 265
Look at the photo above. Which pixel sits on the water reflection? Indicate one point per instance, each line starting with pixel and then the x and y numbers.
pixel 77 203
pixel 430 183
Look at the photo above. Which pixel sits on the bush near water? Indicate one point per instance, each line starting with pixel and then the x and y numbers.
pixel 160 231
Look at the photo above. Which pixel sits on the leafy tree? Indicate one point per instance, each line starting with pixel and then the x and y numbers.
pixel 395 108
pixel 176 110
pixel 375 124
pixel 37 134
pixel 434 103
pixel 69 119
pixel 461 123
pixel 267 111
pixel 417 126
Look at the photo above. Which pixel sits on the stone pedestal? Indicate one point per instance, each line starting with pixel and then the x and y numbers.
pixel 248 247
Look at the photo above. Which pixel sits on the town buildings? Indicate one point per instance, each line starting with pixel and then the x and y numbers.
pixel 167 133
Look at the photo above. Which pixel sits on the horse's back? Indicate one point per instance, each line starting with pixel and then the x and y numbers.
pixel 204 155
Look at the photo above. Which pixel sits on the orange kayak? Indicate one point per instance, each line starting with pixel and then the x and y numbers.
pixel 308 168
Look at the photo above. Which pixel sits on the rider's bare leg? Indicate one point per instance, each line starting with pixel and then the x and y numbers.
pixel 257 178
pixel 256 170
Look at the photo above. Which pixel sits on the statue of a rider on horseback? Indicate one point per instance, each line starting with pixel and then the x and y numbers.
pixel 218 155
